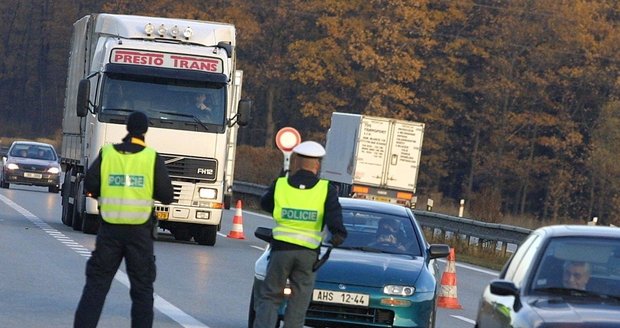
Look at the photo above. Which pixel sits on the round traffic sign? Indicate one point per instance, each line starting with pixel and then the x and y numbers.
pixel 287 138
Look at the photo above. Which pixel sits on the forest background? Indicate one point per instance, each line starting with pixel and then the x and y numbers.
pixel 520 98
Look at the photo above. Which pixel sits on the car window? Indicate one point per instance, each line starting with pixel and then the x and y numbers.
pixel 517 257
pixel 388 233
pixel 43 152
pixel 529 256
pixel 591 264
pixel 19 150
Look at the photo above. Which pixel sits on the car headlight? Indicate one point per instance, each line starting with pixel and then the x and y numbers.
pixel 53 170
pixel 399 290
pixel 12 166
pixel 207 193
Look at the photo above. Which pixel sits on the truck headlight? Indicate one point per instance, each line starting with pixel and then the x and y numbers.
pixel 188 33
pixel 399 290
pixel 207 193
pixel 53 170
pixel 12 166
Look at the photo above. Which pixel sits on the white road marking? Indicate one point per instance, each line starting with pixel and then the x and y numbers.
pixel 161 304
pixel 468 267
pixel 473 322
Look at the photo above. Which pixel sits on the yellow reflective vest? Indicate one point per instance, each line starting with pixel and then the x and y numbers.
pixel 299 213
pixel 127 184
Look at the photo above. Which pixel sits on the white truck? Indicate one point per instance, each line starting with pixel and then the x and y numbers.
pixel 119 64
pixel 373 157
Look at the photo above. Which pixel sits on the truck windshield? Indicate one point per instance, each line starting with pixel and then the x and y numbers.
pixel 169 102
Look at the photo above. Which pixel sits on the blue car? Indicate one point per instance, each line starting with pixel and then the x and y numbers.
pixel 383 275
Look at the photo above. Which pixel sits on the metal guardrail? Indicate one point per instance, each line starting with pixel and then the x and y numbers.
pixel 462 226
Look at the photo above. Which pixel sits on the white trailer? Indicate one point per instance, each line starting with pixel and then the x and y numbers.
pixel 373 157
pixel 119 64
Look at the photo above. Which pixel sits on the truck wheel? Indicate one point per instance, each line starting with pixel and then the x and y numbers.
pixel 3 184
pixel 77 209
pixel 53 189
pixel 182 234
pixel 77 219
pixel 67 209
pixel 90 223
pixel 205 234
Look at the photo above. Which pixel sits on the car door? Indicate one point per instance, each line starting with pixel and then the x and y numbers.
pixel 497 310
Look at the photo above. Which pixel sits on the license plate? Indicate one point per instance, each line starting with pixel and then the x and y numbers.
pixel 330 296
pixel 33 175
pixel 161 215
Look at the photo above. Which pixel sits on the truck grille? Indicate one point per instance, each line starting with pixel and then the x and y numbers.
pixel 191 169
pixel 354 315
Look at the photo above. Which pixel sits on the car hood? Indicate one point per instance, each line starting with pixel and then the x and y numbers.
pixel 589 311
pixel 370 269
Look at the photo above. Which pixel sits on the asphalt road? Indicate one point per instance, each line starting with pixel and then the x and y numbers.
pixel 42 266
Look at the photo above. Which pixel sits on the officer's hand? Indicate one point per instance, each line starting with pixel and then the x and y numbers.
pixel 336 240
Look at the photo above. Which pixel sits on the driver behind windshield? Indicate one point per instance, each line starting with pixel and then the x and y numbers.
pixel 389 234
pixel 576 274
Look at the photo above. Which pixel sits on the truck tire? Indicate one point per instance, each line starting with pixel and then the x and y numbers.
pixel 67 208
pixel 205 234
pixel 77 219
pixel 90 223
pixel 182 234
pixel 77 213
pixel 3 184
pixel 53 189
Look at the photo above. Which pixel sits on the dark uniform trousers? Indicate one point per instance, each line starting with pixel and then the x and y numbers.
pixel 114 242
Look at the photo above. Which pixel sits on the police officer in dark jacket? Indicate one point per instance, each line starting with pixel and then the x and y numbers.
pixel 125 178
pixel 302 205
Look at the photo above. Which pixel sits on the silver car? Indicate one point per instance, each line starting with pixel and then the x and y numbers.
pixel 31 163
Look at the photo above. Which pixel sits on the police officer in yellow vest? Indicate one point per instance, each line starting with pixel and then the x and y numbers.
pixel 302 205
pixel 125 178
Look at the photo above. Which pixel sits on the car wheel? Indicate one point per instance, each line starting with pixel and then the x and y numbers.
pixel 205 234
pixel 53 189
pixel 3 184
pixel 251 312
pixel 431 319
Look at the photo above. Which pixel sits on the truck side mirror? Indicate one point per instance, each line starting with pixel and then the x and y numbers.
pixel 244 112
pixel 82 98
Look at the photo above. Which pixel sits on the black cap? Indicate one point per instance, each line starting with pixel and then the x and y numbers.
pixel 137 123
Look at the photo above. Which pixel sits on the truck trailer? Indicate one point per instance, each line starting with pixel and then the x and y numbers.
pixel 373 157
pixel 123 63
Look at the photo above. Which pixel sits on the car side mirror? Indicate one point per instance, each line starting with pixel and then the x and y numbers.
pixel 506 288
pixel 438 250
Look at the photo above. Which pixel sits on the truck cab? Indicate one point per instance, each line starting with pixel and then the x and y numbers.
pixel 182 75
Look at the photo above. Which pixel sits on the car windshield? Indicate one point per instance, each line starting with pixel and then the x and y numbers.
pixel 580 266
pixel 42 152
pixel 188 104
pixel 380 232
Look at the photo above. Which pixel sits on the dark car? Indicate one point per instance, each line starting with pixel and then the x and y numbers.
pixel 31 163
pixel 383 275
pixel 560 276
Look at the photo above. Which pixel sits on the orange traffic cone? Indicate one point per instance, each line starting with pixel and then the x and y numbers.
pixel 447 293
pixel 237 228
